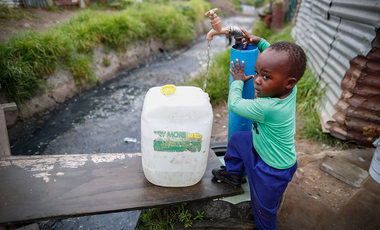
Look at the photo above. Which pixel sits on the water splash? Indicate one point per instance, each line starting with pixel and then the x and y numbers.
pixel 208 65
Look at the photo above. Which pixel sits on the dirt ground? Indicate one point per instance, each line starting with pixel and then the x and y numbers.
pixel 314 199
pixel 308 177
pixel 310 186
pixel 42 20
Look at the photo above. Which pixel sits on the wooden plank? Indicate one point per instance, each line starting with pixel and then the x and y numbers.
pixel 60 186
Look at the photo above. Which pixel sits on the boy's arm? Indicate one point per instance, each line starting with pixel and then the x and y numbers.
pixel 248 108
pixel 261 43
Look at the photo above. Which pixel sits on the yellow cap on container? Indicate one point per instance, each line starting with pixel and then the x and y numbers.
pixel 168 89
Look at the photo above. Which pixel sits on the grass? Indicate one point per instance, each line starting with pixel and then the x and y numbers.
pixel 167 217
pixel 309 98
pixel 257 3
pixel 16 13
pixel 217 79
pixel 236 4
pixel 309 95
pixel 26 58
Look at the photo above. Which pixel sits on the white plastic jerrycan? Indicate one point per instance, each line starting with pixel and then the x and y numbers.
pixel 176 124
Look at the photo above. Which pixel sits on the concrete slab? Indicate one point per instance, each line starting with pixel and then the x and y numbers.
pixel 246 196
pixel 344 171
pixel 33 226
pixel 122 220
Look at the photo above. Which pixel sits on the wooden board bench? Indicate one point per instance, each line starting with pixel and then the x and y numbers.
pixel 43 187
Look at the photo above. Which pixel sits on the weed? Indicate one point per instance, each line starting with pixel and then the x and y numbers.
pixel 236 4
pixel 262 31
pixel 199 216
pixel 106 62
pixel 26 58
pixel 16 13
pixel 52 8
pixel 283 35
pixel 167 24
pixel 79 65
pixel 167 217
pixel 309 97
pixel 257 3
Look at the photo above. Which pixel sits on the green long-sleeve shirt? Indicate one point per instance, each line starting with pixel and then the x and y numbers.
pixel 273 122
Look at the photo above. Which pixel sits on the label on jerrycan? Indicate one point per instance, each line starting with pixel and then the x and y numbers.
pixel 177 141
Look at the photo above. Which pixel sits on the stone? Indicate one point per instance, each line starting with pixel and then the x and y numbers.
pixel 344 171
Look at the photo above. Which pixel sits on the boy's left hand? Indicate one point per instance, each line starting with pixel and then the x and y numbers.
pixel 239 73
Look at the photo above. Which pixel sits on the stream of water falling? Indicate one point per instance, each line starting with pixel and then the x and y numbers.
pixel 208 65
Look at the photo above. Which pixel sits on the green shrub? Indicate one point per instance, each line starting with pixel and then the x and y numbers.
pixel 257 3
pixel 25 58
pixel 284 35
pixel 309 97
pixel 167 217
pixel 262 31
pixel 236 4
pixel 167 24
pixel 196 10
pixel 218 78
pixel 15 13
pixel 80 67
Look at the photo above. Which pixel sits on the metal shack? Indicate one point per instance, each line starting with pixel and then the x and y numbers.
pixel 341 39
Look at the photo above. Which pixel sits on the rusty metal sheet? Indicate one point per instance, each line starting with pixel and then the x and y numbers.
pixel 277 16
pixel 351 39
pixel 358 107
pixel 332 33
pixel 363 11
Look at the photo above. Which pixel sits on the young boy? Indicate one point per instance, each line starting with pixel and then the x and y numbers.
pixel 267 153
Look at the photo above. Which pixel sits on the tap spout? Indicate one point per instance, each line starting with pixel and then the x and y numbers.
pixel 238 35
pixel 213 32
pixel 236 32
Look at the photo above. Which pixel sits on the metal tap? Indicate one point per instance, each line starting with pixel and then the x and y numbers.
pixel 217 29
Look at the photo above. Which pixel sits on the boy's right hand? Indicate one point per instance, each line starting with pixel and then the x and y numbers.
pixel 238 73
pixel 249 38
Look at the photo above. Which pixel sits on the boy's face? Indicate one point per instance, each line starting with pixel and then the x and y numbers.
pixel 271 74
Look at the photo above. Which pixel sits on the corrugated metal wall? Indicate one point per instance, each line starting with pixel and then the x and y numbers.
pixel 11 3
pixel 35 3
pixel 332 33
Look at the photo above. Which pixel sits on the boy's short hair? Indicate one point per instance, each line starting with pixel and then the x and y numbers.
pixel 296 56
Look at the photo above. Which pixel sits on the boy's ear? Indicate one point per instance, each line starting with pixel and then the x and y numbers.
pixel 290 83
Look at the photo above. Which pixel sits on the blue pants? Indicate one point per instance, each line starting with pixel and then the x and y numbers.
pixel 266 183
